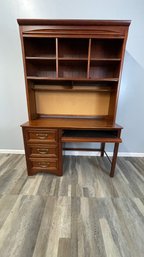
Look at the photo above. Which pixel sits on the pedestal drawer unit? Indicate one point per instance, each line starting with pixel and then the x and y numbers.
pixel 42 146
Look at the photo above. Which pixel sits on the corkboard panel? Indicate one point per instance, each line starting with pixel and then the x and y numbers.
pixel 72 103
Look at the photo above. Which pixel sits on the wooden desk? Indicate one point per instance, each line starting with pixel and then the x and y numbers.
pixel 44 141
pixel 72 74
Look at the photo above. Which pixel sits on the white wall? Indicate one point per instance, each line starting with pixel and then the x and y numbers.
pixel 13 110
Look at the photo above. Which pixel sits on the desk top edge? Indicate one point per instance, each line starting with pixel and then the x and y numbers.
pixel 63 123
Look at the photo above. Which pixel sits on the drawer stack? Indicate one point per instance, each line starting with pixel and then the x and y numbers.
pixel 42 150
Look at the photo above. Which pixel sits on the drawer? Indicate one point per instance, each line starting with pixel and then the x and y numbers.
pixel 43 150
pixel 42 135
pixel 44 164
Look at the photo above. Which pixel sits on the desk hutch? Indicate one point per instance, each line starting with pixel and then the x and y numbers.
pixel 72 75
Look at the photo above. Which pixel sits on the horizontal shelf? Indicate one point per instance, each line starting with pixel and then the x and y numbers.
pixel 34 78
pixel 105 59
pixel 72 88
pixel 73 59
pixel 92 59
pixel 40 58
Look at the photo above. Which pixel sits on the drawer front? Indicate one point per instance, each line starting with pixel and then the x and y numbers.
pixel 43 151
pixel 43 136
pixel 44 164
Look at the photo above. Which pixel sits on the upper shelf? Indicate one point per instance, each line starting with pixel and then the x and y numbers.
pixel 73 48
pixel 73 59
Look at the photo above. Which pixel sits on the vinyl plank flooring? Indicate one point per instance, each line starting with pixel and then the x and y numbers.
pixel 84 213
pixel 64 247
pixel 19 231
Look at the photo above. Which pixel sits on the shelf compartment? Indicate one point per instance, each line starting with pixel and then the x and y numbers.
pixel 41 68
pixel 72 70
pixel 73 48
pixel 90 133
pixel 104 71
pixel 40 47
pixel 90 136
pixel 106 48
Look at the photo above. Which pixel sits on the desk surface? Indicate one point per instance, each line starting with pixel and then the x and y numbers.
pixel 72 123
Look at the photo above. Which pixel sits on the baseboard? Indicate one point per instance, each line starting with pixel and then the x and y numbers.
pixel 77 153
pixel 126 154
pixel 12 151
pixel 120 154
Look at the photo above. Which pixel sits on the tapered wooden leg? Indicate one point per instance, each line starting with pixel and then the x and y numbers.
pixel 102 149
pixel 114 159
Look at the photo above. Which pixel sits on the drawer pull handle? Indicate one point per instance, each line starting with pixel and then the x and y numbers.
pixel 43 151
pixel 41 136
pixel 44 165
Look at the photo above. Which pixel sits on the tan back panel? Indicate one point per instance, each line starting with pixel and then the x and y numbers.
pixel 72 103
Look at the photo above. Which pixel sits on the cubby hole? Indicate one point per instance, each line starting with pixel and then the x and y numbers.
pixel 72 70
pixel 40 47
pixel 73 48
pixel 41 68
pixel 104 70
pixel 106 48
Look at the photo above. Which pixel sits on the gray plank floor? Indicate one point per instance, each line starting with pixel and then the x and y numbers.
pixel 85 213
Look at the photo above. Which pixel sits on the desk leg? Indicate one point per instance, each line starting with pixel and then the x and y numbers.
pixel 114 159
pixel 60 157
pixel 102 149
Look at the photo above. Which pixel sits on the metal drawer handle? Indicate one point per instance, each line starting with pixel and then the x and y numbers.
pixel 41 136
pixel 43 151
pixel 44 165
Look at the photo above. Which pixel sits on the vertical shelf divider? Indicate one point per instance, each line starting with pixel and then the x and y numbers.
pixel 89 57
pixel 57 72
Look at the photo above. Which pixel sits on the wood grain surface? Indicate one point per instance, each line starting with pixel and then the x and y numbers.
pixel 84 213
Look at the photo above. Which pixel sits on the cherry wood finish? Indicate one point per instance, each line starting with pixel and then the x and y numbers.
pixel 63 59
pixel 73 123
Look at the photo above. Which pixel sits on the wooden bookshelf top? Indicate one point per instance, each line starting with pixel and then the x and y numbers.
pixel 72 123
pixel 74 22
